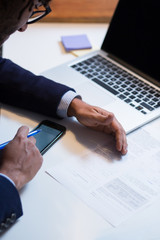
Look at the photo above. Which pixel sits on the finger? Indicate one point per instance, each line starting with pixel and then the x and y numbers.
pixel 120 135
pixel 124 150
pixel 121 141
pixel 125 145
pixel 22 131
pixel 32 139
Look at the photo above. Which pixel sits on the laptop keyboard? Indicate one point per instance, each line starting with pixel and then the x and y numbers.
pixel 119 82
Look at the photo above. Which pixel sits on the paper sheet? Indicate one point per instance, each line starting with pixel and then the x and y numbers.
pixel 115 187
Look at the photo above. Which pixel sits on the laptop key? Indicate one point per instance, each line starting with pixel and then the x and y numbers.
pixel 132 97
pixel 105 86
pixel 139 108
pixel 131 104
pixel 121 90
pixel 110 83
pixel 145 99
pixel 100 77
pixel 121 96
pixel 74 66
pixel 95 73
pixel 137 100
pixel 140 96
pixel 134 92
pixel 158 105
pixel 126 93
pixel 89 76
pixel 128 100
pixel 155 99
pixel 83 72
pixel 105 80
pixel 147 106
pixel 143 112
pixel 116 86
pixel 90 70
pixel 151 103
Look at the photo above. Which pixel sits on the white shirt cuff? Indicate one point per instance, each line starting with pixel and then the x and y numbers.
pixel 65 102
pixel 5 176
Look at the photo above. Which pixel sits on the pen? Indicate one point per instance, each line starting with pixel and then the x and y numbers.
pixel 29 135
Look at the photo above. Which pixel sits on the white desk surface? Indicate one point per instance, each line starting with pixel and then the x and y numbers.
pixel 50 210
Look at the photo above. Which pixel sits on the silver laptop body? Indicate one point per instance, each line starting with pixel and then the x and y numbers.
pixel 124 76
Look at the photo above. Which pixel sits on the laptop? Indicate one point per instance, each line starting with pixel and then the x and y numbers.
pixel 124 75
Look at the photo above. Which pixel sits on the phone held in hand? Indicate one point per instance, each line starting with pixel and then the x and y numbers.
pixel 49 134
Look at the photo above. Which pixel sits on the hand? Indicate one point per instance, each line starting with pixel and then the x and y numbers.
pixel 20 160
pixel 100 120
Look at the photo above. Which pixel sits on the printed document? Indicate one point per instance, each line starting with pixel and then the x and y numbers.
pixel 115 187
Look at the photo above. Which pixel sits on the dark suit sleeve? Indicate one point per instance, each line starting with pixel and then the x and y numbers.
pixel 10 204
pixel 21 88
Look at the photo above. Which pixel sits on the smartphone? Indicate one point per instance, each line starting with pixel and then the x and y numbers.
pixel 49 134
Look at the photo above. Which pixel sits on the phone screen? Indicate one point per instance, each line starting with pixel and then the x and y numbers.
pixel 49 134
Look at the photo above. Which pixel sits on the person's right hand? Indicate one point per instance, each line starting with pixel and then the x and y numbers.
pixel 20 160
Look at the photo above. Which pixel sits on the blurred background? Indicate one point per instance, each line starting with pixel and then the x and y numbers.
pixel 81 11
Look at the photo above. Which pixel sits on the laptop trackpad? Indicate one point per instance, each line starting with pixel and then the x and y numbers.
pixel 93 94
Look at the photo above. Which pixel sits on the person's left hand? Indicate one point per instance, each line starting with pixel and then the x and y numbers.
pixel 100 120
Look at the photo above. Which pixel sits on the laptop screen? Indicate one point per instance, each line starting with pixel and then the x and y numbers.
pixel 134 35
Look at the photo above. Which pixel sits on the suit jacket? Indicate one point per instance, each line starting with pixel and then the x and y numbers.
pixel 10 204
pixel 21 88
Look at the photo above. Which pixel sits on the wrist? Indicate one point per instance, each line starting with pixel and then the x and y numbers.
pixel 73 107
pixel 13 177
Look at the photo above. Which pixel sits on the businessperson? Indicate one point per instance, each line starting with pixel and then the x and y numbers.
pixel 20 160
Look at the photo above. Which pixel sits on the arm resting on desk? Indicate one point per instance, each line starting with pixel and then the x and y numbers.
pixel 23 89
